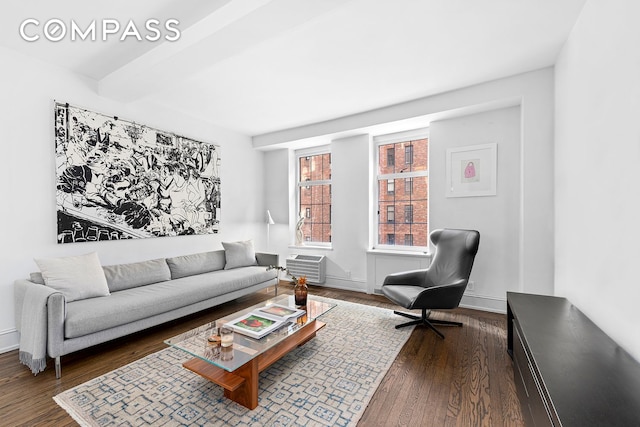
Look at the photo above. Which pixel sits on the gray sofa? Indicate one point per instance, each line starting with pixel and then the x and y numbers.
pixel 141 295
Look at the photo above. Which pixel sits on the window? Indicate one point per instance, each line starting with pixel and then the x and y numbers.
pixel 408 154
pixel 409 197
pixel 314 195
pixel 408 214
pixel 408 185
pixel 391 186
pixel 391 213
pixel 391 157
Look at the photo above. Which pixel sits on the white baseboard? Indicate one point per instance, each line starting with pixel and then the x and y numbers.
pixel 484 303
pixel 9 340
pixel 357 285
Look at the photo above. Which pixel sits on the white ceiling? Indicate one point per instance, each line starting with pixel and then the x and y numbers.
pixel 259 66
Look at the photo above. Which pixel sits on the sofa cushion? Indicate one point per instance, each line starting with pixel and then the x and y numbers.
pixel 125 276
pixel 189 265
pixel 93 315
pixel 77 277
pixel 239 254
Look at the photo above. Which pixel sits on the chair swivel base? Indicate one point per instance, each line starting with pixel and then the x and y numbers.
pixel 424 320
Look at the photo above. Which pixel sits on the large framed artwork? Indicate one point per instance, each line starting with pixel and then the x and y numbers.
pixel 117 179
pixel 471 171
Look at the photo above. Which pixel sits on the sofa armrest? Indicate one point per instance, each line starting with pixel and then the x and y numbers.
pixel 20 289
pixel 56 314
pixel 267 259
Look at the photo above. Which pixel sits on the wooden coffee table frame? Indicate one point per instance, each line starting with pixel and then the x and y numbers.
pixel 241 385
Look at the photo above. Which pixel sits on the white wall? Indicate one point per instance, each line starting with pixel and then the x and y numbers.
pixel 28 177
pixel 597 157
pixel 496 268
pixel 530 267
pixel 346 259
pixel 350 163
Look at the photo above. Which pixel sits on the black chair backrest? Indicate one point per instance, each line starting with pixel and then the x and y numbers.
pixel 453 259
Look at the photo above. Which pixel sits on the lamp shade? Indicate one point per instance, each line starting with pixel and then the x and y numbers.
pixel 269 219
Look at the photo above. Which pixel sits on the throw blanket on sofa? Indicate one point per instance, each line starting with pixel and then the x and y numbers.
pixel 33 328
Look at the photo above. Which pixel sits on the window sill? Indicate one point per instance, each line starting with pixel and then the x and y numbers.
pixel 421 254
pixel 313 247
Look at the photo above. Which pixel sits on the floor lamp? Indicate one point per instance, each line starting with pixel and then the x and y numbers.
pixel 270 222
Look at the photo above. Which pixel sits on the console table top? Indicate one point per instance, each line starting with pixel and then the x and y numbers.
pixel 591 379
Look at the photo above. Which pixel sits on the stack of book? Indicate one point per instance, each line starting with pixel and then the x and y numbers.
pixel 262 321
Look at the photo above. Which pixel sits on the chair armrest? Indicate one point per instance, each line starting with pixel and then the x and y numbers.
pixel 446 296
pixel 267 259
pixel 413 277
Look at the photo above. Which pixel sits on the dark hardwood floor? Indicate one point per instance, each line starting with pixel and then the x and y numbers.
pixel 463 380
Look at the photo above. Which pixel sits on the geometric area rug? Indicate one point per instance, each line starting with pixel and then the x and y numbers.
pixel 327 382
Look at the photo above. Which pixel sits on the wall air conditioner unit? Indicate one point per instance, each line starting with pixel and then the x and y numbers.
pixel 312 266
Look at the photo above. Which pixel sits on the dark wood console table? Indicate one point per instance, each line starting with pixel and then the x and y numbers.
pixel 567 371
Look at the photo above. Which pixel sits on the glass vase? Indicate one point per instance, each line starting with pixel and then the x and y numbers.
pixel 300 292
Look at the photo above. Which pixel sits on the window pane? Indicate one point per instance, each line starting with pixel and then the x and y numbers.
pixel 414 153
pixel 315 198
pixel 315 168
pixel 316 208
pixel 403 211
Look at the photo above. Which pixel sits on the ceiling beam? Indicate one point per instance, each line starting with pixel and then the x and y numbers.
pixel 232 29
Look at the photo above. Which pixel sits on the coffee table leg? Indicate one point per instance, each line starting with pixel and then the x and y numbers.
pixel 247 393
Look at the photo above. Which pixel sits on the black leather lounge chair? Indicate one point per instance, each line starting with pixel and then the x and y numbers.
pixel 442 284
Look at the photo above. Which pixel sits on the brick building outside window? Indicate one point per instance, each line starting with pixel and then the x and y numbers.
pixel 314 196
pixel 402 190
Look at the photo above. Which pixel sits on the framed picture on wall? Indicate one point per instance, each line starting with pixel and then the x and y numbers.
pixel 471 170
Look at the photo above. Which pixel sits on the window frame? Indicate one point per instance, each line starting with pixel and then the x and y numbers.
pixel 298 154
pixel 377 217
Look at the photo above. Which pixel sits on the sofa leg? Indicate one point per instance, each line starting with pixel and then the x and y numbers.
pixel 58 368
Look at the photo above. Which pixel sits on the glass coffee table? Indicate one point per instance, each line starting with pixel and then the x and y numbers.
pixel 237 368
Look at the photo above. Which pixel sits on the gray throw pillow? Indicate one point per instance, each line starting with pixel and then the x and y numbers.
pixel 239 254
pixel 77 277
pixel 190 265
pixel 125 276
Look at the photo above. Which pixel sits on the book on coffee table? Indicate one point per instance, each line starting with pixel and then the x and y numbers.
pixel 281 312
pixel 255 325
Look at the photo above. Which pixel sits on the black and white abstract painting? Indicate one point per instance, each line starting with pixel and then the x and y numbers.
pixel 117 179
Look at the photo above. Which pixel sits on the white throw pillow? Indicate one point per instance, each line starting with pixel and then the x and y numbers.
pixel 77 277
pixel 239 254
